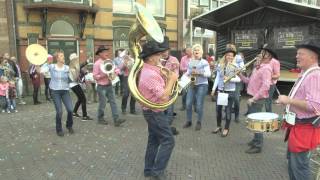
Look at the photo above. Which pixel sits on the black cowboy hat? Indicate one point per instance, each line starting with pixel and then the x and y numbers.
pixel 100 49
pixel 150 48
pixel 230 48
pixel 165 43
pixel 267 47
pixel 311 44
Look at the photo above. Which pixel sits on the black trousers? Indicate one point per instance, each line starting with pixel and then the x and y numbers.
pixel 35 93
pixel 228 108
pixel 126 93
pixel 81 99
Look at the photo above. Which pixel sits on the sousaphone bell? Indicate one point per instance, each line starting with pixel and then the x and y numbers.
pixel 36 54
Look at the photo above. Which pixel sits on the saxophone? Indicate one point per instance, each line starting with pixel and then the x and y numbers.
pixel 145 25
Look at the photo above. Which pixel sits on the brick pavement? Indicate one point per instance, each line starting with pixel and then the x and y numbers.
pixel 30 149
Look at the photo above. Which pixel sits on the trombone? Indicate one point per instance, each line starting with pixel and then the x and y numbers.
pixel 240 70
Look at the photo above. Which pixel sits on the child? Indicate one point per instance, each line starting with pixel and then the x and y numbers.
pixel 4 87
pixel 12 95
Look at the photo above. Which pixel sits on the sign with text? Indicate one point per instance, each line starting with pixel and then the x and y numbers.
pixel 289 37
pixel 246 39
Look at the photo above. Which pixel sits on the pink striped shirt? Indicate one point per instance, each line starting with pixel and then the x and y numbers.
pixel 309 90
pixel 98 75
pixel 275 65
pixel 184 63
pixel 151 84
pixel 259 82
pixel 172 64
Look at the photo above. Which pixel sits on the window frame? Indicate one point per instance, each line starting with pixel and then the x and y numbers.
pixel 68 1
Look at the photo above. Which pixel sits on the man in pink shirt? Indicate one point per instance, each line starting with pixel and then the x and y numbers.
pixel 105 89
pixel 258 88
pixel 153 87
pixel 303 105
pixel 183 69
pixel 275 65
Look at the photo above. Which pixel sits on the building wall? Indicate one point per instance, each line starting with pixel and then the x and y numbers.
pixel 4 35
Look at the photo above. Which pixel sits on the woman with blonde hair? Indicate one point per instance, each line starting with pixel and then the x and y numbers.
pixel 200 69
pixel 74 75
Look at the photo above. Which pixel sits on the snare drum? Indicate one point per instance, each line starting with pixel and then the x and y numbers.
pixel 263 122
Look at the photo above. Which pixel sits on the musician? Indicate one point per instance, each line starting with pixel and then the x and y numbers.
pixel 303 105
pixel 171 63
pixel 199 68
pixel 74 75
pixel 34 73
pixel 240 64
pixel 126 67
pixel 105 89
pixel 183 69
pixel 47 77
pixel 153 87
pixel 59 86
pixel 225 69
pixel 275 64
pixel 258 88
pixel 118 60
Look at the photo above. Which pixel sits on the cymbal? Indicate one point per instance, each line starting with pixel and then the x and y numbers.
pixel 36 54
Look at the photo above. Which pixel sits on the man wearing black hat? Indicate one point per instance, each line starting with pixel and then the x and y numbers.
pixel 153 87
pixel 104 88
pixel 303 111
pixel 258 87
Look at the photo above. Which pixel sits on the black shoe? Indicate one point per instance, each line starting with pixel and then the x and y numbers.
pixel 254 150
pixel 174 114
pixel 174 131
pixel 198 126
pixel 76 115
pixel 133 112
pixel 71 131
pixel 118 122
pixel 36 103
pixel 60 133
pixel 86 118
pixel 103 122
pixel 187 124
pixel 251 143
pixel 124 112
pixel 216 130
pixel 236 120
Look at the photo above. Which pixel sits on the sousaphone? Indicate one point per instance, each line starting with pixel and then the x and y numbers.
pixel 36 54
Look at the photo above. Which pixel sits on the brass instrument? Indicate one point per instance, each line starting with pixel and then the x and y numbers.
pixel 108 68
pixel 36 54
pixel 240 70
pixel 145 25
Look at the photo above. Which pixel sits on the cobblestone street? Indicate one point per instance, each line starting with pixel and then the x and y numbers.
pixel 31 150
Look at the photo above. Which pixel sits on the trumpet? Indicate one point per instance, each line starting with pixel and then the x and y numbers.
pixel 240 70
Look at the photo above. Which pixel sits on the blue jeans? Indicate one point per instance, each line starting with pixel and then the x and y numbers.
pixel 169 113
pixel 298 165
pixel 3 102
pixel 59 96
pixel 184 98
pixel 103 92
pixel 257 107
pixel 11 104
pixel 160 143
pixel 268 103
pixel 198 91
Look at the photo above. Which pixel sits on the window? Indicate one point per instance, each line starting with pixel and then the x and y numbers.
pixel 70 1
pixel 214 4
pixel 120 37
pixel 157 7
pixel 61 28
pixel 123 6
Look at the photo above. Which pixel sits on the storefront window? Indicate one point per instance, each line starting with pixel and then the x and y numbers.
pixel 61 28
pixel 123 6
pixel 157 7
pixel 120 37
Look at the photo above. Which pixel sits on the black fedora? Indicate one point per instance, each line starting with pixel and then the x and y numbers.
pixel 165 43
pixel 100 49
pixel 150 48
pixel 267 47
pixel 311 44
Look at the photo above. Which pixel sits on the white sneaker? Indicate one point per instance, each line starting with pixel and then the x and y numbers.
pixel 3 111
pixel 8 112
pixel 16 111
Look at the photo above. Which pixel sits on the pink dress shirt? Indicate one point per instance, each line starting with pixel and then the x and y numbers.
pixel 259 82
pixel 309 90
pixel 98 75
pixel 275 65
pixel 184 63
pixel 151 84
pixel 172 64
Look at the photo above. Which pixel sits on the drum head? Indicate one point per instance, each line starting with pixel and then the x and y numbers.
pixel 265 116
